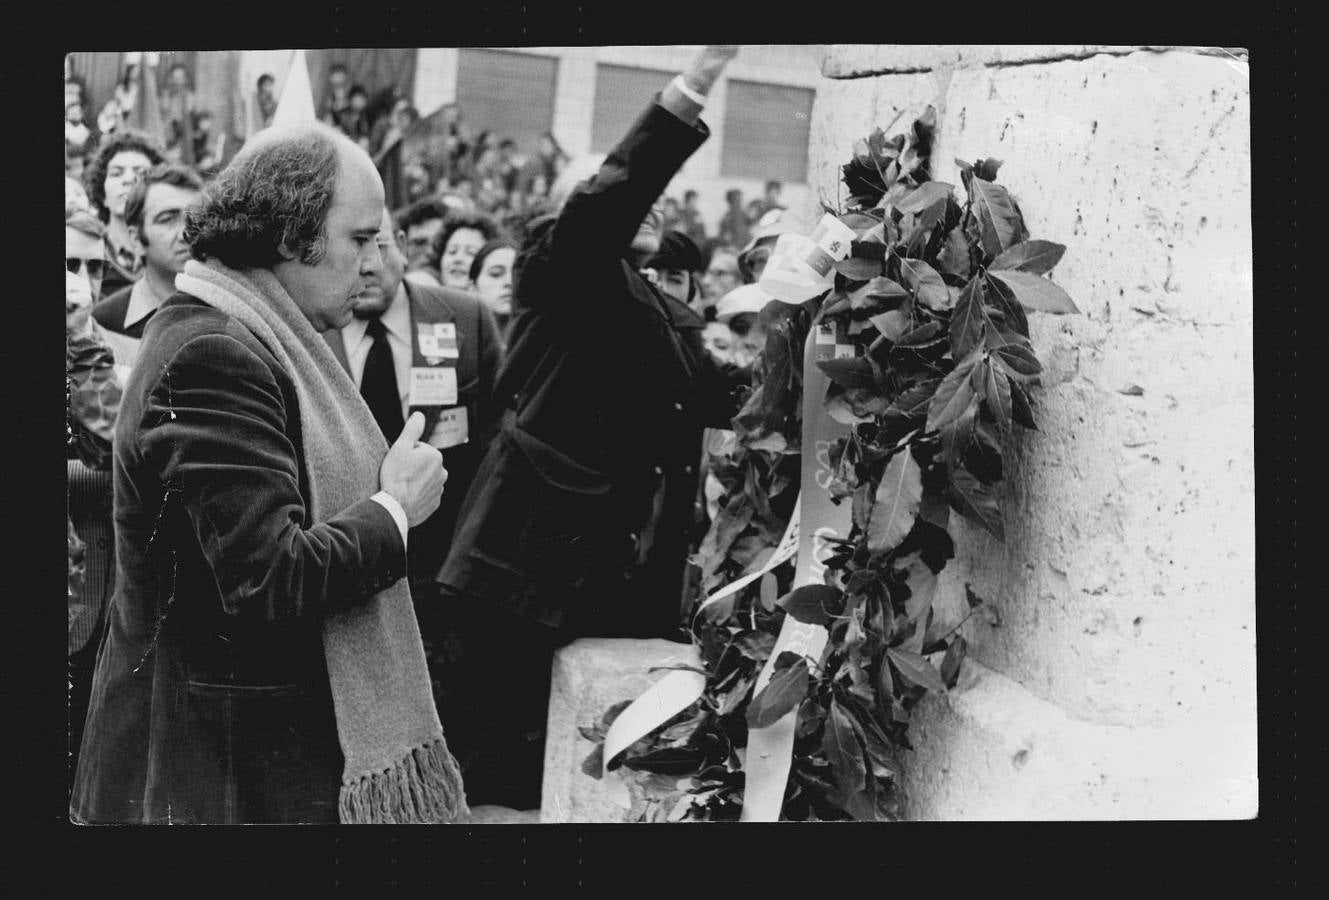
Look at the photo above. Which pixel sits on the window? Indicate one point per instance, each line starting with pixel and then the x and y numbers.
pixel 621 93
pixel 508 94
pixel 766 128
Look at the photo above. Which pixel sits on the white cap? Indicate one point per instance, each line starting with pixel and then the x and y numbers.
pixel 772 224
pixel 748 298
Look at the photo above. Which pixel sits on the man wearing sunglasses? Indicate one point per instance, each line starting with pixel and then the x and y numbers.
pixel 85 250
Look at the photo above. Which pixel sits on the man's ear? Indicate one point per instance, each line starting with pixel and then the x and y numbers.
pixel 136 235
pixel 400 237
pixel 286 252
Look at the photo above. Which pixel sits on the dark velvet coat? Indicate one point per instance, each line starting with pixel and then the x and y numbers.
pixel 211 701
pixel 578 517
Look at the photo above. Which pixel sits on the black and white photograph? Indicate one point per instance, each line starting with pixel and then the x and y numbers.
pixel 660 434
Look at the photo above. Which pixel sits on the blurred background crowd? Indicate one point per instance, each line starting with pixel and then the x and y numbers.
pixel 457 180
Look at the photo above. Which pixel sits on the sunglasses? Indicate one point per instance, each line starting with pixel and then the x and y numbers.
pixel 95 268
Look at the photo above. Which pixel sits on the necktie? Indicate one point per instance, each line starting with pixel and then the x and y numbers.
pixel 378 384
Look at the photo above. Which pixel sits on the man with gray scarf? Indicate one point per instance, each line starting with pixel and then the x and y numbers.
pixel 262 661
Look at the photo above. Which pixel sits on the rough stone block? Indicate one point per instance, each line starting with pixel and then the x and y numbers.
pixel 1131 512
pixel 845 111
pixel 990 750
pixel 589 676
pixel 862 60
pixel 1122 599
pixel 858 60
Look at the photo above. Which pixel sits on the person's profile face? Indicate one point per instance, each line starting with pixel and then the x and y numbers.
pixel 162 234
pixel 458 252
pixel 124 169
pixel 381 287
pixel 326 291
pixel 419 238
pixel 493 284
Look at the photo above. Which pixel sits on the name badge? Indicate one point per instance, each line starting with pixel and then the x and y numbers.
pixel 438 341
pixel 452 429
pixel 433 387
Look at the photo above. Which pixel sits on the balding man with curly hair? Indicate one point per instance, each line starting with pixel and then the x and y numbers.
pixel 262 661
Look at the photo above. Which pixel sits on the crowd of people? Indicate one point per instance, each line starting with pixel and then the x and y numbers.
pixel 320 415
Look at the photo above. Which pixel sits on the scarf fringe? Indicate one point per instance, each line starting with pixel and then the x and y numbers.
pixel 422 788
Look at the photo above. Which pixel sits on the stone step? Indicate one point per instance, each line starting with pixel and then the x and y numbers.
pixel 589 676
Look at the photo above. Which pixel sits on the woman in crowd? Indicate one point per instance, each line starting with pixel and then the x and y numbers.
pixel 491 279
pixel 455 246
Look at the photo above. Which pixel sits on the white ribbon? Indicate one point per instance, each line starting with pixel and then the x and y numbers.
pixel 679 689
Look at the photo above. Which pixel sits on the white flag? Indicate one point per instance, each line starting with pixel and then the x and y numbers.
pixel 296 104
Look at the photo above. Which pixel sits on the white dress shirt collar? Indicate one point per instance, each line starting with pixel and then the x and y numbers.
pixel 142 301
pixel 396 319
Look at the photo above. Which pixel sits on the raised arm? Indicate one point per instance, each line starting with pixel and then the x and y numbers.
pixel 601 217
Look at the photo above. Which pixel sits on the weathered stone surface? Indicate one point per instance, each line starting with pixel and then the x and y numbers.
pixel 989 750
pixel 1130 515
pixel 859 60
pixel 589 676
pixel 1125 586
pixel 845 111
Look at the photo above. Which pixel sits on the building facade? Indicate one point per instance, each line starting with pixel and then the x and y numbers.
pixel 759 112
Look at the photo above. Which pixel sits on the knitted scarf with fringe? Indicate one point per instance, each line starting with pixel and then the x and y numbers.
pixel 398 766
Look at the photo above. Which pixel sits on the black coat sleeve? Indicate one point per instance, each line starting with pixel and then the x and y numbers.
pixel 214 427
pixel 596 226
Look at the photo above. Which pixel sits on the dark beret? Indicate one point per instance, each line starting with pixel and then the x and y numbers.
pixel 677 251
